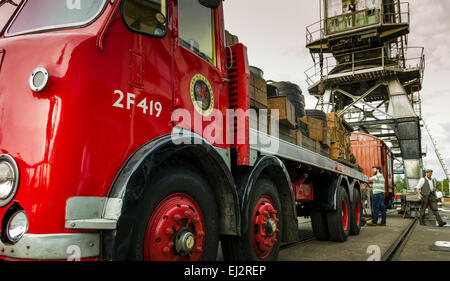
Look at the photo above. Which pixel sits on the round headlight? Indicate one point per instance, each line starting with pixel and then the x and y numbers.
pixel 39 79
pixel 17 226
pixel 9 179
pixel 6 180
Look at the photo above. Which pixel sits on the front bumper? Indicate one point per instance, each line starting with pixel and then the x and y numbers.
pixel 65 246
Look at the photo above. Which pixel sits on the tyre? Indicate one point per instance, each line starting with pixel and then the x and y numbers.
pixel 294 95
pixel 356 211
pixel 261 236
pixel 319 225
pixel 177 220
pixel 339 220
pixel 272 91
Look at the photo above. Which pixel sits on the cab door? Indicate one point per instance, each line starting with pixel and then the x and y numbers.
pixel 200 88
pixel 147 51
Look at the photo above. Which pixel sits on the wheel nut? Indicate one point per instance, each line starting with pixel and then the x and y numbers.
pixel 169 231
pixel 166 250
pixel 201 234
pixel 176 217
pixel 198 249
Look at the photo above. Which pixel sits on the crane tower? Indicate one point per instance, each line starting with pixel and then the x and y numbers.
pixel 365 71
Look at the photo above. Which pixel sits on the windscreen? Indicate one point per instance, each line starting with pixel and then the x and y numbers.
pixel 7 8
pixel 39 15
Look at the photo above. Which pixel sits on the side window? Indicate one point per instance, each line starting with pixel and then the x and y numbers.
pixel 147 16
pixel 196 29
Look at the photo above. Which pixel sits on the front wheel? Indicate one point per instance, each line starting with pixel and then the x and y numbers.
pixel 177 218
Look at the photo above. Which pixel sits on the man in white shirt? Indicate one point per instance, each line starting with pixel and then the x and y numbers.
pixel 426 190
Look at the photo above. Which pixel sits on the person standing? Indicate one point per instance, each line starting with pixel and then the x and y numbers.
pixel 378 198
pixel 426 190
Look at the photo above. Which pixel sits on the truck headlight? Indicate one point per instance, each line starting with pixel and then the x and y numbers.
pixel 17 226
pixel 9 179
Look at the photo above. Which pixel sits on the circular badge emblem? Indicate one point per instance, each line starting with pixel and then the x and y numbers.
pixel 202 95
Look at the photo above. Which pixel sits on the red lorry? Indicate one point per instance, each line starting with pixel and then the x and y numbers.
pixel 111 143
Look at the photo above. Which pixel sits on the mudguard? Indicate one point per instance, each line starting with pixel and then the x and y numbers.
pixel 191 148
pixel 335 183
pixel 275 169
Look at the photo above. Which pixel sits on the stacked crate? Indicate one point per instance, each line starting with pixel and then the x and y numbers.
pixel 258 98
pixel 286 118
pixel 319 136
pixel 339 138
pixel 258 91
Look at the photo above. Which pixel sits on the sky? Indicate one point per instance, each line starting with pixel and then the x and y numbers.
pixel 274 33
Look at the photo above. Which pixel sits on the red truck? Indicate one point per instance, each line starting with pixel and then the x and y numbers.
pixel 116 141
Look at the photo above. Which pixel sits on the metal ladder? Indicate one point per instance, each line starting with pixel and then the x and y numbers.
pixel 436 150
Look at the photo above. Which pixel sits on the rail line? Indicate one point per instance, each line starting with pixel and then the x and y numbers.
pixel 305 240
pixel 397 247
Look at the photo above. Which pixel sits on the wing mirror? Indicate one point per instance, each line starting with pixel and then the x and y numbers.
pixel 212 4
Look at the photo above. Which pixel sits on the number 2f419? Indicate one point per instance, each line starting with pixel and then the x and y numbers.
pixel 148 107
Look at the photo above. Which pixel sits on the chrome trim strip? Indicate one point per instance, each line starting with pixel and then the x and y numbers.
pixel 64 246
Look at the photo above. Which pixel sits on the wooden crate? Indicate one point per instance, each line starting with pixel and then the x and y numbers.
pixel 258 99
pixel 308 143
pixel 285 133
pixel 285 108
pixel 315 127
pixel 326 137
pixel 336 151
pixel 258 92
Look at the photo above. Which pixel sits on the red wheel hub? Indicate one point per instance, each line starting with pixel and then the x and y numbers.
pixel 264 222
pixel 344 214
pixel 175 231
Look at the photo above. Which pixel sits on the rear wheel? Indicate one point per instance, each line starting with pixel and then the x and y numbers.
pixel 177 221
pixel 356 211
pixel 261 236
pixel 339 220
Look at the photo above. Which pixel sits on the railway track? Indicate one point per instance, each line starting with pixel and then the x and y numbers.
pixel 392 253
pixel 397 247
pixel 305 240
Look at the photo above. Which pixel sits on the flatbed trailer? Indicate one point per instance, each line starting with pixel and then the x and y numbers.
pixel 107 150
